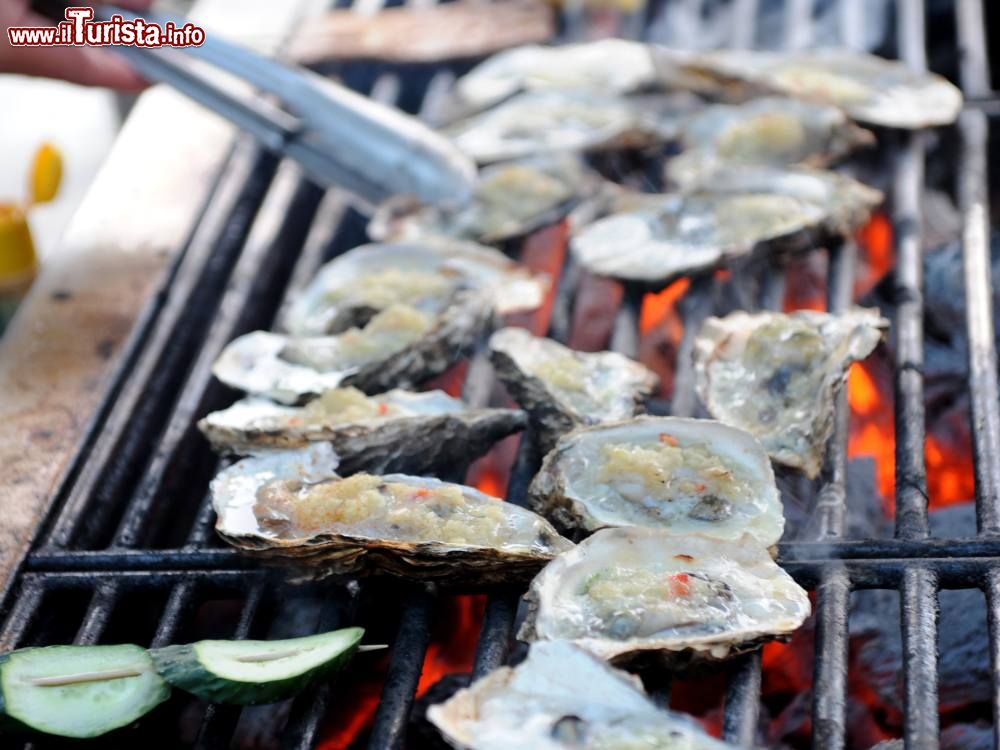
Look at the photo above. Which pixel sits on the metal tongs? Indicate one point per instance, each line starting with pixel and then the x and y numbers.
pixel 339 137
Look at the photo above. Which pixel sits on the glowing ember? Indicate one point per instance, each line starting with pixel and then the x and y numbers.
pixel 877 254
pixel 453 644
pixel 872 429
pixel 662 328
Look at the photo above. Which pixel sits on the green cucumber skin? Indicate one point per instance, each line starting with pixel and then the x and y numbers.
pixel 179 666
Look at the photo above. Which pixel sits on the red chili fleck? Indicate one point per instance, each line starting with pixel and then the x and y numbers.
pixel 699 487
pixel 679 584
pixel 669 440
pixel 421 494
pixel 383 409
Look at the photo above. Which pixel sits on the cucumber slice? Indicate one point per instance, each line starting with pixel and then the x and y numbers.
pixel 79 691
pixel 251 672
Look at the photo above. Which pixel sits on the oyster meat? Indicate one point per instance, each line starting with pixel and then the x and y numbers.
pixel 390 432
pixel 777 375
pixel 631 594
pixel 291 504
pixel 771 131
pixel 400 346
pixel 655 238
pixel 562 698
pixel 686 475
pixel 561 388
pixel 541 122
pixel 348 290
pixel 511 199
pixel 607 66
pixel 869 88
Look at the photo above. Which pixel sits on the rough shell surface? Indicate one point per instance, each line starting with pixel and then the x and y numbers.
pixel 363 547
pixel 778 375
pixel 259 362
pixel 562 698
pixel 772 131
pixel 312 313
pixel 656 238
pixel 511 199
pixel 869 88
pixel 608 66
pixel 630 595
pixel 424 432
pixel 686 475
pixel 561 388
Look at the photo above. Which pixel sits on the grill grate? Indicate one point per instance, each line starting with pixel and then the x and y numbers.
pixel 133 519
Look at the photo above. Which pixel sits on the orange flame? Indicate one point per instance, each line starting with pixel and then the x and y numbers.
pixel 872 429
pixel 453 645
pixel 661 307
pixel 878 255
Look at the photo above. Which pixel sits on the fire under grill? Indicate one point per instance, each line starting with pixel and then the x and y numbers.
pixel 128 552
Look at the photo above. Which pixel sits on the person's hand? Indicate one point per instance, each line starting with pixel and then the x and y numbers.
pixel 90 66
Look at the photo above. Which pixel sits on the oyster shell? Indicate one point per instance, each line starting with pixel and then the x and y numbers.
pixel 772 131
pixel 400 346
pixel 511 199
pixel 607 66
pixel 777 376
pixel 869 88
pixel 561 388
pixel 686 475
pixel 390 432
pixel 656 238
pixel 541 122
pixel 291 504
pixel 562 698
pixel 351 288
pixel 628 593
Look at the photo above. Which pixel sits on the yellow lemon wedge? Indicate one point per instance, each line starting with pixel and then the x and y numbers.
pixel 46 174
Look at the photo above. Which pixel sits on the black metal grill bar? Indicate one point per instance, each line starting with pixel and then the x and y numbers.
pixel 973 199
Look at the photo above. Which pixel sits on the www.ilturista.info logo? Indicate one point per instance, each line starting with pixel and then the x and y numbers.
pixel 79 29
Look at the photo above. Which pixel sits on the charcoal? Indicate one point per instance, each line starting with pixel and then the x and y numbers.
pixel 420 732
pixel 964 672
pixel 978 736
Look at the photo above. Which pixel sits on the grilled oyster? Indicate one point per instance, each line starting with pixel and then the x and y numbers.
pixel 687 475
pixel 541 122
pixel 400 346
pixel 354 286
pixel 656 238
pixel 607 66
pixel 869 88
pixel 511 199
pixel 291 504
pixel 627 593
pixel 562 698
pixel 561 388
pixel 394 431
pixel 771 131
pixel 777 375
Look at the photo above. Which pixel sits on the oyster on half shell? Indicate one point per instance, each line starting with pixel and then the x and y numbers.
pixel 562 698
pixel 389 432
pixel 399 346
pixel 541 122
pixel 772 131
pixel 607 66
pixel 655 238
pixel 291 505
pixel 632 594
pixel 354 286
pixel 561 388
pixel 686 475
pixel 510 199
pixel 869 88
pixel 777 375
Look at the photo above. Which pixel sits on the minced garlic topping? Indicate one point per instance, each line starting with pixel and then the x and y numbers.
pixel 368 505
pixel 769 135
pixel 654 476
pixel 383 288
pixel 346 405
pixel 562 371
pixel 626 602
